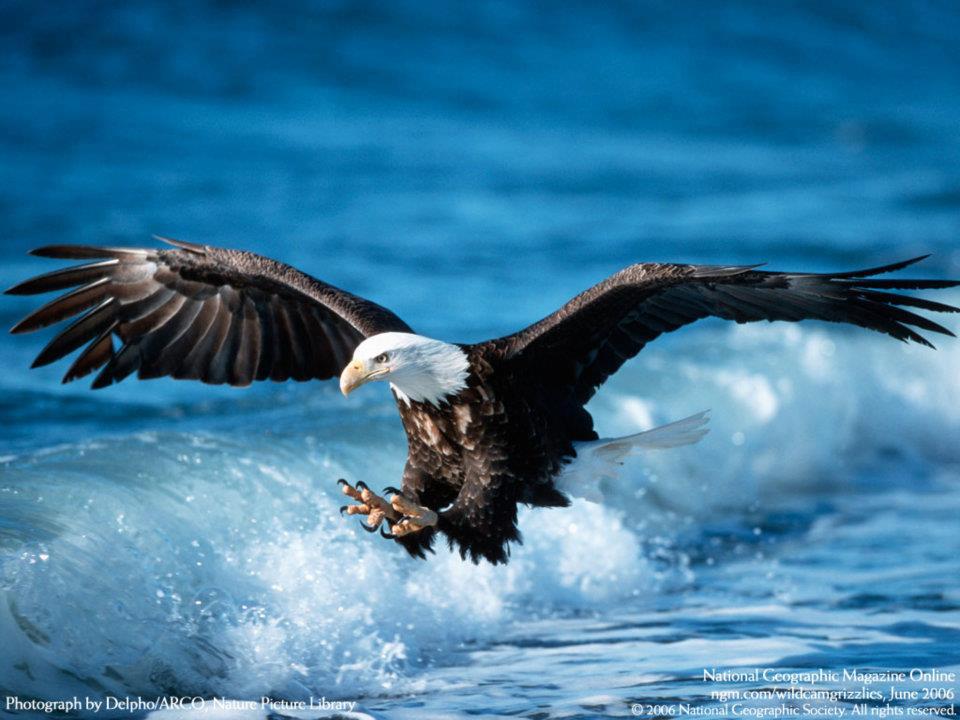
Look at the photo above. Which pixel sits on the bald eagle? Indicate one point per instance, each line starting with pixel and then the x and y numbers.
pixel 489 425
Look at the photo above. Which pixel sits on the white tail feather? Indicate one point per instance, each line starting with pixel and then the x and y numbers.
pixel 601 459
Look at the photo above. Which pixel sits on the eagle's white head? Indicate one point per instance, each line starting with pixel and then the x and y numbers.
pixel 419 369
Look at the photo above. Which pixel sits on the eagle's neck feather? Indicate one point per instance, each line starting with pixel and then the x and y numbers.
pixel 439 371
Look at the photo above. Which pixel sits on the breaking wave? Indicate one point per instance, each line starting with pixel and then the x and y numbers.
pixel 224 556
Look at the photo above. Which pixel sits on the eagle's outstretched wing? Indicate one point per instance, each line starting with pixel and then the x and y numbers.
pixel 580 345
pixel 198 312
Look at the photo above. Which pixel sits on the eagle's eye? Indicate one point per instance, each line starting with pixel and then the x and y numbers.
pixel 382 358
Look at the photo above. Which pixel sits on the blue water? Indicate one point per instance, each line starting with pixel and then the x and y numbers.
pixel 472 167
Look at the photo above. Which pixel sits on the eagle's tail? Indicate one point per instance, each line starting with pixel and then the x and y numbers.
pixel 598 460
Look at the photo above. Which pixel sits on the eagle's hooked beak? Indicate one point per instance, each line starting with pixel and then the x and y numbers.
pixel 354 375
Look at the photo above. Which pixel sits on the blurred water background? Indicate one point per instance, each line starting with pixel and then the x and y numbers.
pixel 472 166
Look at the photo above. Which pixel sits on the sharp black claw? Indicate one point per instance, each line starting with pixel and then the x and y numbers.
pixel 391 490
pixel 361 486
pixel 342 508
pixel 388 536
pixel 341 481
pixel 367 527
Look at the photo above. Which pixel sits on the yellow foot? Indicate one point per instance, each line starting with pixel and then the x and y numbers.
pixel 413 517
pixel 369 503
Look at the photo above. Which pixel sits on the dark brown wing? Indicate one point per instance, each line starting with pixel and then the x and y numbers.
pixel 587 340
pixel 197 312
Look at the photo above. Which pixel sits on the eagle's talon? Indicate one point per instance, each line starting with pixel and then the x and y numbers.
pixel 390 490
pixel 376 508
pixel 348 490
pixel 402 515
pixel 406 526
pixel 413 517
pixel 367 527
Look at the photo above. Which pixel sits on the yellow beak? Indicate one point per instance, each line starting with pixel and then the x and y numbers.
pixel 352 377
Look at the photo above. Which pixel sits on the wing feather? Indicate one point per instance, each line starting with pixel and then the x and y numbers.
pixel 172 359
pixel 248 352
pixel 121 365
pixel 154 321
pixel 302 357
pixel 202 353
pixel 906 300
pixel 95 355
pixel 219 347
pixel 83 330
pixel 65 306
pixel 154 348
pixel 137 310
pixel 611 322
pixel 283 359
pixel 315 346
pixel 198 312
pixel 64 278
pixel 268 335
pixel 323 352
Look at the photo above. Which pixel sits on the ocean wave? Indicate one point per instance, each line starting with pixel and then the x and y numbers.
pixel 216 563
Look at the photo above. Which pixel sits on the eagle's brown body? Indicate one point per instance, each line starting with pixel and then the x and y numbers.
pixel 495 444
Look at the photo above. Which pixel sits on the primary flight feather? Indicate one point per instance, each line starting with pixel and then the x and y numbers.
pixel 489 425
